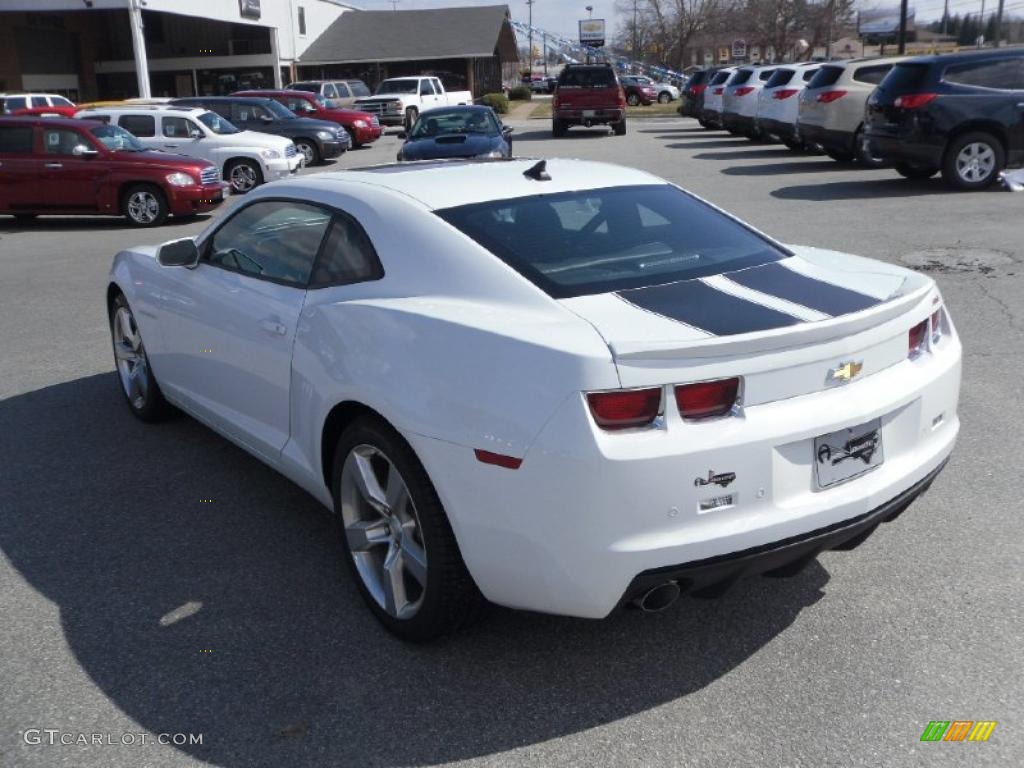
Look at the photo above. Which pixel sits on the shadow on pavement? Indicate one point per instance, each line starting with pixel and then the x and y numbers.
pixel 672 133
pixel 859 190
pixel 544 134
pixel 93 223
pixel 235 618
pixel 793 166
pixel 716 143
pixel 775 153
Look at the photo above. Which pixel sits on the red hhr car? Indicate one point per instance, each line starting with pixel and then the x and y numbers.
pixel 363 127
pixel 64 166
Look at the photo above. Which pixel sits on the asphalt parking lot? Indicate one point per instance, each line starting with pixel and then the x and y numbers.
pixel 131 605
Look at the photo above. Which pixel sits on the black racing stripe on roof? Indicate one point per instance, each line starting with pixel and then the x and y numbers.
pixel 782 282
pixel 699 305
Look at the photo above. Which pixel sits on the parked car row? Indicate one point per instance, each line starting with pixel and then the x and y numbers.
pixel 961 114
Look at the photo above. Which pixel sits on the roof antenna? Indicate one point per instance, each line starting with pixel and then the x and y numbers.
pixel 538 172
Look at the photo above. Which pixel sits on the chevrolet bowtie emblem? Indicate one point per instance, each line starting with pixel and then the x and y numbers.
pixel 846 371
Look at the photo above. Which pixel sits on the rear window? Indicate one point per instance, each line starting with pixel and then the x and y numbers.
pixel 871 75
pixel 765 75
pixel 825 77
pixel 698 77
pixel 587 77
pixel 809 74
pixel 740 77
pixel 720 77
pixel 904 78
pixel 779 77
pixel 594 241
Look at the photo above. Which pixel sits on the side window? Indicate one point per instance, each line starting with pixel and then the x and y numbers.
pixel 343 91
pixel 276 239
pixel 871 75
pixel 61 141
pixel 330 91
pixel 425 89
pixel 15 140
pixel 40 101
pixel 438 88
pixel 140 126
pixel 1005 74
pixel 105 119
pixel 60 101
pixel 16 102
pixel 348 255
pixel 175 127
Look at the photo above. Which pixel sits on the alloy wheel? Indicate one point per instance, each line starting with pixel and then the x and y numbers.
pixel 383 531
pixel 143 207
pixel 307 152
pixel 975 162
pixel 130 356
pixel 243 177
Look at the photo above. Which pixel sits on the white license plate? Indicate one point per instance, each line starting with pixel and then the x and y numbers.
pixel 847 453
pixel 589 112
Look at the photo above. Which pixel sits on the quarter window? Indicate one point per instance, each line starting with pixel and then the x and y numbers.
pixel 15 140
pixel 348 255
pixel 15 102
pixel 275 240
pixel 140 126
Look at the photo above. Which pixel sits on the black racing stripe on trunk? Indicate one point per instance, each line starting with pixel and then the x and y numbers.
pixel 784 283
pixel 701 306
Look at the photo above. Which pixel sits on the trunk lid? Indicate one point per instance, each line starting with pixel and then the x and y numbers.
pixel 785 327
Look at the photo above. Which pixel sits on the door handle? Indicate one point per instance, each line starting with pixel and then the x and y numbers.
pixel 53 165
pixel 272 326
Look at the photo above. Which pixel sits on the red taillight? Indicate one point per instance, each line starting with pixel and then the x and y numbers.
pixel 718 91
pixel 914 100
pixel 697 90
pixel 623 409
pixel 829 96
pixel 744 90
pixel 497 459
pixel 916 339
pixel 707 398
pixel 785 93
pixel 622 97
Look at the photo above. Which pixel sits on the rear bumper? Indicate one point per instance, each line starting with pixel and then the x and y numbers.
pixel 184 201
pixel 734 122
pixel 785 131
pixel 599 117
pixel 898 149
pixel 714 575
pixel 838 141
pixel 711 117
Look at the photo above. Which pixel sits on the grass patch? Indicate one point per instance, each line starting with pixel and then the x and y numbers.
pixel 543 110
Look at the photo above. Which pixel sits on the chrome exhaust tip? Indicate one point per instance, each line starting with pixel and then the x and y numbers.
pixel 658 598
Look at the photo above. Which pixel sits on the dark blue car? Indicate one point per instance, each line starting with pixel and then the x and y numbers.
pixel 466 131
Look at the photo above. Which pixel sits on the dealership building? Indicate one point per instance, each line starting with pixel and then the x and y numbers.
pixel 86 49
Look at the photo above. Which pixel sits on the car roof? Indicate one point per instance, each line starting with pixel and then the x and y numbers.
pixel 56 122
pixel 966 56
pixel 148 109
pixel 222 99
pixel 439 184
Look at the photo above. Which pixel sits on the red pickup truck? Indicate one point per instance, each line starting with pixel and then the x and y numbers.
pixel 64 166
pixel 363 127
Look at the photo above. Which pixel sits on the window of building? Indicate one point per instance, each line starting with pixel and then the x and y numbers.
pixel 302 21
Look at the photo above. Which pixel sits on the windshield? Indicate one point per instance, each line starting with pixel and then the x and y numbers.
pixel 117 139
pixel 216 123
pixel 358 88
pixel 442 123
pixel 278 110
pixel 397 86
pixel 596 241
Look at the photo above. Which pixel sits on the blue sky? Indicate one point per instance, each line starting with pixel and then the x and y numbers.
pixel 559 16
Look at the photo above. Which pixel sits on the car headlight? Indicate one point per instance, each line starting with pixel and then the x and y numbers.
pixel 395 107
pixel 270 154
pixel 326 135
pixel 180 179
pixel 494 153
pixel 359 123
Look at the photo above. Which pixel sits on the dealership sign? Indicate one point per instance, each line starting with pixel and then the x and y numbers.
pixel 739 48
pixel 249 9
pixel 592 32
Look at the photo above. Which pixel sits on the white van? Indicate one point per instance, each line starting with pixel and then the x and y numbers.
pixel 246 158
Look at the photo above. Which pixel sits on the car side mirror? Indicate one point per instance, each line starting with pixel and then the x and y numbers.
pixel 507 129
pixel 178 253
pixel 83 151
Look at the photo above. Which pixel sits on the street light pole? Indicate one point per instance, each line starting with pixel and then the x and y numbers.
pixel 529 52
pixel 903 28
pixel 139 47
pixel 999 24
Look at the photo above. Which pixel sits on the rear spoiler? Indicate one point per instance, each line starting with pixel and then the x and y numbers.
pixel 923 297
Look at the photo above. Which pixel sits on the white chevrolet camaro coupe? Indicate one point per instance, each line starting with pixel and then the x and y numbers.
pixel 562 387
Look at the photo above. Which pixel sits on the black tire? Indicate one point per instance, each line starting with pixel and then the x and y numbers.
pixel 908 171
pixel 411 116
pixel 951 172
pixel 840 156
pixel 633 100
pixel 664 97
pixel 558 128
pixel 794 146
pixel 152 407
pixel 243 167
pixel 704 124
pixel 309 150
pixel 144 205
pixel 450 599
pixel 619 128
pixel 24 219
pixel 864 156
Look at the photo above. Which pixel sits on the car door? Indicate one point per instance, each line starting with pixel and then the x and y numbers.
pixel 181 135
pixel 67 180
pixel 229 324
pixel 19 168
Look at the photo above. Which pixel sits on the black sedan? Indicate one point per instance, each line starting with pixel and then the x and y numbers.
pixel 466 131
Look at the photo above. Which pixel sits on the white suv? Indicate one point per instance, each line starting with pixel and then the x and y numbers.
pixel 246 158
pixel 12 101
